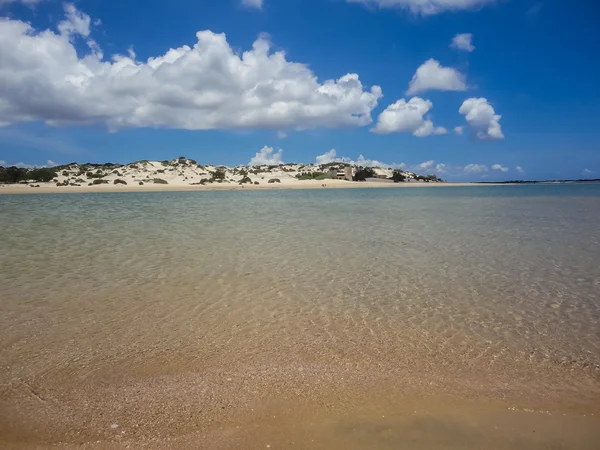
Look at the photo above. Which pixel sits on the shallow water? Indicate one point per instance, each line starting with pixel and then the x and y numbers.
pixel 316 297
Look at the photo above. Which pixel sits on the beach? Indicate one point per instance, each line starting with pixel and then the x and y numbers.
pixel 50 188
pixel 317 318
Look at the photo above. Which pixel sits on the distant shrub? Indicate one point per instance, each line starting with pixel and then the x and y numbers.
pixel 160 181
pixel 246 179
pixel 218 175
pixel 160 171
pixel 363 173
pixel 98 174
pixel 141 183
pixel 100 182
pixel 256 182
pixel 311 176
pixel 274 180
pixel 398 176
pixel 43 174
pixel 118 181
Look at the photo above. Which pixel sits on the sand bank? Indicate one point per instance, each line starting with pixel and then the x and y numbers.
pixel 51 188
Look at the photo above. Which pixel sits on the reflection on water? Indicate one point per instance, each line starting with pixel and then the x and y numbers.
pixel 496 288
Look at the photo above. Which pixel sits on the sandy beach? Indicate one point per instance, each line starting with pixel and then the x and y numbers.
pixel 51 188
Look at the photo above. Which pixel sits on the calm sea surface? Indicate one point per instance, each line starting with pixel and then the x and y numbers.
pixel 487 290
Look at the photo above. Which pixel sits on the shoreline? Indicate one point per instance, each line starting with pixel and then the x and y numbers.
pixel 50 188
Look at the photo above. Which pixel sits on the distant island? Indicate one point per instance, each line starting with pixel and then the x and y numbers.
pixel 184 172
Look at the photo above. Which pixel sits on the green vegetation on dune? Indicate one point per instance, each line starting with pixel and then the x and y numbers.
pixel 311 176
pixel 19 174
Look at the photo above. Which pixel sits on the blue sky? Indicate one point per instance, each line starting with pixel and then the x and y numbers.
pixel 64 96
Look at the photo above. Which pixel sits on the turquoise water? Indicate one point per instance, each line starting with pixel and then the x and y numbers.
pixel 489 283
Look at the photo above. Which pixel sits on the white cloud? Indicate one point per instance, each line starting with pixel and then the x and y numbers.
pixel 475 168
pixel 404 116
pixel 207 86
pixel 331 156
pixel 459 130
pixel 267 156
pixel 482 119
pixel 440 168
pixel 22 165
pixel 76 22
pixel 587 172
pixel 25 2
pixel 2 162
pixel 281 135
pixel 519 169
pixel 426 165
pixel 51 163
pixel 499 168
pixel 427 7
pixel 463 41
pixel 431 75
pixel 365 162
pixel 326 157
pixel 253 3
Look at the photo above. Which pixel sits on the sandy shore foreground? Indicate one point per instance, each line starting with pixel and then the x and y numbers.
pixel 51 188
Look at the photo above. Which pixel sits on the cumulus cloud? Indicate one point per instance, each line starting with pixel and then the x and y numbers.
pixel 403 116
pixel 326 157
pixel 475 168
pixel 482 119
pixel 22 165
pixel 499 168
pixel 331 156
pixel 253 3
pixel 267 156
pixel 207 86
pixel 365 162
pixel 427 7
pixel 459 130
pixel 587 172
pixel 519 169
pixel 431 75
pixel 426 165
pixel 75 23
pixel 25 2
pixel 463 41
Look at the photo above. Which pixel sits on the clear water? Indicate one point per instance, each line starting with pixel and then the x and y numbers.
pixel 477 288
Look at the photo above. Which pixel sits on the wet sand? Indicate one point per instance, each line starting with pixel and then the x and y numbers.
pixel 275 407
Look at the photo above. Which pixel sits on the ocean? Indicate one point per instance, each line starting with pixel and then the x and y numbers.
pixel 164 314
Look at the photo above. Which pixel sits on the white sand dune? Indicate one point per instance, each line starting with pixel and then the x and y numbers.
pixel 187 174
